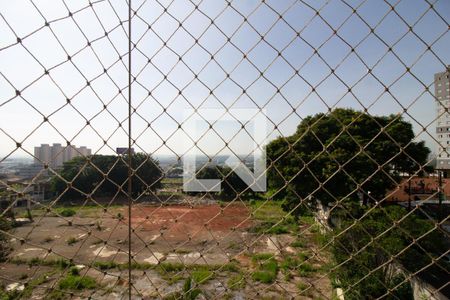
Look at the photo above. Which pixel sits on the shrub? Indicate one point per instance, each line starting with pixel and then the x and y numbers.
pixel 278 229
pixel 67 212
pixel 74 271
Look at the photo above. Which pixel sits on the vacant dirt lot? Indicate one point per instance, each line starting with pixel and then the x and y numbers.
pixel 219 246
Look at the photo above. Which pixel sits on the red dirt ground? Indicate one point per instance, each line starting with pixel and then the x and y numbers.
pixel 188 220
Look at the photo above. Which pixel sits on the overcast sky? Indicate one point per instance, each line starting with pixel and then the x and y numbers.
pixel 278 71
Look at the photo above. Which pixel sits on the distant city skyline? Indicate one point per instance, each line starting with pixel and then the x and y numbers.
pixel 56 155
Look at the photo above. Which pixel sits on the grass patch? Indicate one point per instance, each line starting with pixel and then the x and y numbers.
pixel 264 277
pixel 106 265
pixel 56 295
pixel 298 244
pixel 305 269
pixel 29 287
pixel 231 267
pixel 307 220
pixel 267 210
pixel 188 292
pixel 201 276
pixel 236 282
pixel 261 256
pixel 266 271
pixel 302 256
pixel 77 282
pixel 137 266
pixel 172 279
pixel 269 227
pixel 305 290
pixel 278 229
pixel 289 263
pixel 269 213
pixel 166 267
pixel 302 286
pixel 320 239
pixel 36 261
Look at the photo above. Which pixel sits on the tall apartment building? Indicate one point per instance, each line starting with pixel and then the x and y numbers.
pixel 442 94
pixel 56 154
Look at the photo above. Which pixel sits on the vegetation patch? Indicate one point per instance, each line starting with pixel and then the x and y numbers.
pixel 261 256
pixel 236 282
pixel 166 267
pixel 77 282
pixel 266 271
pixel 298 244
pixel 72 240
pixel 305 269
pixel 36 261
pixel 67 212
pixel 106 265
pixel 73 281
pixel 202 275
pixel 189 292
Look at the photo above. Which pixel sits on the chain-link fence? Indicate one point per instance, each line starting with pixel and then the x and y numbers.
pixel 204 149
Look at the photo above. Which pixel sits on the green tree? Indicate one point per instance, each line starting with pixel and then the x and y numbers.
pixel 230 183
pixel 369 244
pixel 106 175
pixel 336 155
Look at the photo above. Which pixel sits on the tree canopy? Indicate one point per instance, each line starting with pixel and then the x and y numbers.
pixel 380 235
pixel 342 154
pixel 106 175
pixel 231 184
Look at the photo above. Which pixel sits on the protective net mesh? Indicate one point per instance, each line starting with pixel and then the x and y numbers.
pixel 345 102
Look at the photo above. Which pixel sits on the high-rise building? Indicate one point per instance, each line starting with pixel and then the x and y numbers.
pixel 45 153
pixel 442 94
pixel 56 155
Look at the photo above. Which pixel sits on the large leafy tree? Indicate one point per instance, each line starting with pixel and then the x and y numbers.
pixel 344 154
pixel 231 184
pixel 106 175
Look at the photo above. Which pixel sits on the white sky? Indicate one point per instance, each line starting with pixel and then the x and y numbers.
pixel 160 38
